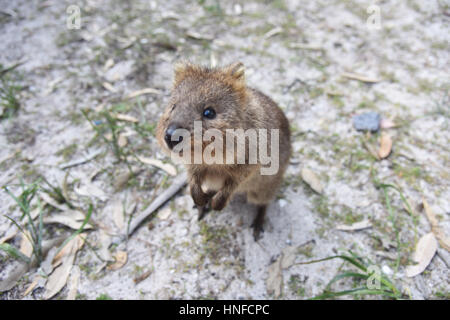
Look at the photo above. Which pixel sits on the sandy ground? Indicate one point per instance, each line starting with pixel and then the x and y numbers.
pixel 294 51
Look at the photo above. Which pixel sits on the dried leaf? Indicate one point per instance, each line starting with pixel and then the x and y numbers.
pixel 120 71
pixel 101 267
pixel 362 78
pixel 108 86
pixel 371 149
pixel 121 180
pixel 425 250
pixel 118 214
pixel 274 278
pixel 122 141
pixel 273 32
pixel 38 282
pixel 47 265
pixel 70 248
pixel 385 146
pixel 31 286
pixel 126 117
pixel 71 218
pixel 170 15
pixel 198 36
pixel 126 43
pixel 143 91
pixel 170 169
pixel 49 200
pixel 108 136
pixel 108 64
pixel 289 255
pixel 355 226
pixel 58 278
pixel 26 247
pixel 65 259
pixel 73 283
pixel 311 179
pixel 90 190
pixel 11 233
pixel 430 214
pixel 121 260
pixel 435 228
pixel 105 241
pixel 8 282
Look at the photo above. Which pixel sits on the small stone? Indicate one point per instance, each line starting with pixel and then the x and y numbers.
pixel 164 213
pixel 386 270
pixel 368 121
pixel 237 9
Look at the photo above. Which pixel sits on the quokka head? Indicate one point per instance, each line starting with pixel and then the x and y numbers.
pixel 216 97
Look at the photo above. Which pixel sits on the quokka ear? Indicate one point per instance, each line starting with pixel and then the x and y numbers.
pixel 181 69
pixel 236 71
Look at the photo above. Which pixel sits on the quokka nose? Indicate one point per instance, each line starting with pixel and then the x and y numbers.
pixel 168 136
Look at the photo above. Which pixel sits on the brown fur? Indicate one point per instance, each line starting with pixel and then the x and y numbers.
pixel 237 106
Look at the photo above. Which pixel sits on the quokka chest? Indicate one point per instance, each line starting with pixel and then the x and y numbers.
pixel 212 183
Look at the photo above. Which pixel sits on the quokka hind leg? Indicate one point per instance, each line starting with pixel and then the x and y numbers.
pixel 203 210
pixel 258 223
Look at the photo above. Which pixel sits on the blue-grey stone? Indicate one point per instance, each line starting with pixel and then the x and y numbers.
pixel 368 121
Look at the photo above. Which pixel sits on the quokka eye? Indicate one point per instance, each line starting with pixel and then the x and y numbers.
pixel 209 113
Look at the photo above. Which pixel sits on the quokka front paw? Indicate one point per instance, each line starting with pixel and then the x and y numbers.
pixel 200 198
pixel 258 223
pixel 219 201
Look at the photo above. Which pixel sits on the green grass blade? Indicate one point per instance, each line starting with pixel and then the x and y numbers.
pixel 347 274
pixel 41 227
pixel 387 287
pixel 19 203
pixel 14 252
pixel 33 244
pixel 77 232
pixel 343 257
pixel 354 292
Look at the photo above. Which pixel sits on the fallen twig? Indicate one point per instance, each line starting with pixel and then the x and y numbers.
pixel 177 184
pixel 305 46
pixel 77 162
pixel 362 78
pixel 12 67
